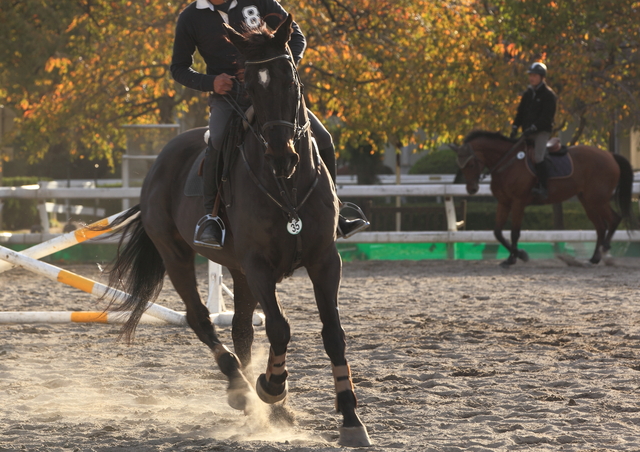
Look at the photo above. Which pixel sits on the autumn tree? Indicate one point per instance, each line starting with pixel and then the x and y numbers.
pixel 376 71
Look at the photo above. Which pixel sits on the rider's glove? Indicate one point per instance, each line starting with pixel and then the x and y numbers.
pixel 530 131
pixel 514 132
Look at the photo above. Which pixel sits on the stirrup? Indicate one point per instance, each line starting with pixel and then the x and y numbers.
pixel 365 224
pixel 200 228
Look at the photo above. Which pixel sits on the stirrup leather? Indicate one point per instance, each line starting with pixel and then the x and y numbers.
pixel 361 216
pixel 200 228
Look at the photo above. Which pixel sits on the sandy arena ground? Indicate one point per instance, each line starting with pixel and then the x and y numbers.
pixel 446 356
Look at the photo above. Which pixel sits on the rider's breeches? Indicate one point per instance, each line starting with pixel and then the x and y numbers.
pixel 540 149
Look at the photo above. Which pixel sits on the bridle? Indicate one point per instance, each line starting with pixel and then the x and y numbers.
pixel 299 131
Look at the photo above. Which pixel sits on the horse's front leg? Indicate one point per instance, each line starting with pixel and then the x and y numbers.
pixel 516 225
pixel 502 214
pixel 325 276
pixel 272 385
pixel 244 305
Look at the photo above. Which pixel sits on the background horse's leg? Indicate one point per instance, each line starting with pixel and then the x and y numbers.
pixel 613 223
pixel 272 385
pixel 325 276
pixel 244 304
pixel 598 214
pixel 179 262
pixel 516 224
pixel 502 214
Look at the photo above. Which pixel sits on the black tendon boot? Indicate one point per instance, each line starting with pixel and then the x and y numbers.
pixel 210 230
pixel 540 191
pixel 346 228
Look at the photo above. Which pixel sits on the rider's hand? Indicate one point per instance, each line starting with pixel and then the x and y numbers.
pixel 223 83
pixel 530 131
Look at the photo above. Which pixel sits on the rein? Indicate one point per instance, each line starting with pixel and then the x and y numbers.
pixel 500 161
pixel 288 203
pixel 506 154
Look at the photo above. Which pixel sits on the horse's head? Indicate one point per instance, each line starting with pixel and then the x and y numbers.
pixel 275 90
pixel 470 165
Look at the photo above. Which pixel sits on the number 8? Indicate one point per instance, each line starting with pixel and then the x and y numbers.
pixel 251 16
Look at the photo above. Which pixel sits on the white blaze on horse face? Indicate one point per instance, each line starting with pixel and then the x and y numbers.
pixel 263 77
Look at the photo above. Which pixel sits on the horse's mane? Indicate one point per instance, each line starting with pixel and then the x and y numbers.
pixel 485 134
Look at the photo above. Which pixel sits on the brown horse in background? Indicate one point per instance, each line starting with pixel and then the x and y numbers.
pixel 281 210
pixel 597 177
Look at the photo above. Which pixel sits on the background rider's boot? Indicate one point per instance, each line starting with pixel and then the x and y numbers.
pixel 346 228
pixel 542 172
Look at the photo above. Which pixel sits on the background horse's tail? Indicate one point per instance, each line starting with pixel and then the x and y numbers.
pixel 624 189
pixel 138 270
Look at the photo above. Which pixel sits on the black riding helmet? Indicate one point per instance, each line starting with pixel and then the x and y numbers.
pixel 538 68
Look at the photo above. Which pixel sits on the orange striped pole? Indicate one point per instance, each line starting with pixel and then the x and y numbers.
pixel 71 238
pixel 85 284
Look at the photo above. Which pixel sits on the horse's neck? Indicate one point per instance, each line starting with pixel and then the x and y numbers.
pixel 491 152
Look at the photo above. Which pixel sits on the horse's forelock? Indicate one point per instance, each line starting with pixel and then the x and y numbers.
pixel 475 134
pixel 257 40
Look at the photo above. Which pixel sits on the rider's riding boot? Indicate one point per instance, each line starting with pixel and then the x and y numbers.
pixel 346 228
pixel 210 230
pixel 541 189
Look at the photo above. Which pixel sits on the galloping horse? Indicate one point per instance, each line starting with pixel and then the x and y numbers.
pixel 281 211
pixel 596 177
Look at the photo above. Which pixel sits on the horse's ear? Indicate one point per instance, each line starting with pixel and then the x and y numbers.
pixel 283 33
pixel 454 147
pixel 235 38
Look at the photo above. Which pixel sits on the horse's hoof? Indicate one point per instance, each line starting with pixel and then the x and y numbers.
pixel 354 437
pixel 238 393
pixel 523 255
pixel 505 264
pixel 237 400
pixel 267 397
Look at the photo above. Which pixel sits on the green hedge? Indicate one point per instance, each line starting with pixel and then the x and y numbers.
pixel 441 161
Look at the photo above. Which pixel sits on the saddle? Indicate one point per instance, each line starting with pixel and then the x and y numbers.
pixel 234 135
pixel 559 162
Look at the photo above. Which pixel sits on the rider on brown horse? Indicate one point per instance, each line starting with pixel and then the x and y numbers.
pixel 535 115
pixel 200 26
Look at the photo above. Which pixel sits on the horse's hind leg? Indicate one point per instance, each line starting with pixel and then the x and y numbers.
pixel 325 276
pixel 598 216
pixel 178 258
pixel 613 222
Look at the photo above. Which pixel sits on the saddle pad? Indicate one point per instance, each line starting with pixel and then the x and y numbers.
pixel 559 166
pixel 193 186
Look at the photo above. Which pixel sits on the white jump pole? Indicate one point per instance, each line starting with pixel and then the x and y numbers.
pixel 71 238
pixel 86 285
pixel 74 317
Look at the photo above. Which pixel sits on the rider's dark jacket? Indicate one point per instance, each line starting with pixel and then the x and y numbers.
pixel 199 27
pixel 537 107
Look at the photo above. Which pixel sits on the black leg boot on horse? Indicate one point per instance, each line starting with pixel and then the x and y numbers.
pixel 346 228
pixel 210 230
pixel 542 171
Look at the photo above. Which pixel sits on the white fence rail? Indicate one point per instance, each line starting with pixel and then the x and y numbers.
pixel 447 191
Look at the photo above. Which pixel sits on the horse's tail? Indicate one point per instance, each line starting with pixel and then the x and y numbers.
pixel 138 270
pixel 624 189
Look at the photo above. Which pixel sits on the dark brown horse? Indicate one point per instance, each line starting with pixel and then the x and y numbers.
pixel 281 213
pixel 597 176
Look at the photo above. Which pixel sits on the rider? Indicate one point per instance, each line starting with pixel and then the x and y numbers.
pixel 200 27
pixel 535 115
